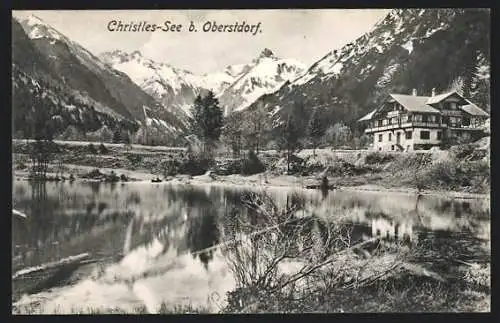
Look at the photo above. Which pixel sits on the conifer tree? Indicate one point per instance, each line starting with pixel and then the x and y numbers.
pixel 315 130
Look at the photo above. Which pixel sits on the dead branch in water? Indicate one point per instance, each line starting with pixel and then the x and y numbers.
pixel 258 258
pixel 51 265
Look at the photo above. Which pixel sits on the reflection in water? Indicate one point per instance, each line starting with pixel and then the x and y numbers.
pixel 203 233
pixel 384 228
pixel 148 232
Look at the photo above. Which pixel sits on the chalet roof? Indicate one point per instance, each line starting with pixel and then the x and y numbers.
pixel 414 103
pixel 369 116
pixel 474 110
pixel 440 97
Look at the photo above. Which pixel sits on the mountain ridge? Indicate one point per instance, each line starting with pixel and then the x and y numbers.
pixel 178 87
pixel 408 48
pixel 72 73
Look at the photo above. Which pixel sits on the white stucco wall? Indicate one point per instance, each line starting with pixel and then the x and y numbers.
pixel 407 144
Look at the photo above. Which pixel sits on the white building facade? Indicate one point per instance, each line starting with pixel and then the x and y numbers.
pixel 412 122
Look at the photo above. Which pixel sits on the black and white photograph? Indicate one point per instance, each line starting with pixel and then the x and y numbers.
pixel 251 161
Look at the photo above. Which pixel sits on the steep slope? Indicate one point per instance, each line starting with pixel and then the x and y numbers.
pixel 35 85
pixel 409 48
pixel 265 74
pixel 71 69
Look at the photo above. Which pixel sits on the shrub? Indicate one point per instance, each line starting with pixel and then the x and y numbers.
pixel 378 158
pixel 21 166
pixel 443 173
pixel 343 168
pixel 95 173
pixel 135 159
pixel 170 167
pixel 228 167
pixel 112 177
pixel 252 165
pixel 91 149
pixel 453 175
pixel 103 149
pixel 123 178
pixel 462 151
pixel 195 164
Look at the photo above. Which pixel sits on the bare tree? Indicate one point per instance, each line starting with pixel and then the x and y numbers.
pixel 255 125
pixel 232 134
pixel 264 238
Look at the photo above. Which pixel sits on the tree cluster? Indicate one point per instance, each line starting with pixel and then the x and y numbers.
pixel 207 121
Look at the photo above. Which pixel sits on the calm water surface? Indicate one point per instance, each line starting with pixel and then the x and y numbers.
pixel 141 237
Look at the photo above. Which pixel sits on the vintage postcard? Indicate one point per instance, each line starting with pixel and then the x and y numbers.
pixel 251 161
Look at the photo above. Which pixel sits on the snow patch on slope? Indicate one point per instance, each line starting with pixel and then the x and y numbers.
pixel 408 46
pixel 267 76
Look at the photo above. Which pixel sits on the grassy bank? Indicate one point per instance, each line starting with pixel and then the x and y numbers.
pixel 405 293
pixel 164 308
pixel 461 169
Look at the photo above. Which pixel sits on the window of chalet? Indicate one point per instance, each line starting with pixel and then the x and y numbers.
pixel 417 118
pixel 455 121
pixel 380 138
pixel 392 147
pixel 450 105
pixel 379 123
pixel 424 118
pixel 425 134
pixel 409 134
pixel 390 136
pixel 466 121
pixel 439 135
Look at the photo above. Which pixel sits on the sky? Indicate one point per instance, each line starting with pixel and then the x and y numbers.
pixel 305 35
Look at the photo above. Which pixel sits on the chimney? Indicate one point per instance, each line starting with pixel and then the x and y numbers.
pixel 414 92
pixel 433 93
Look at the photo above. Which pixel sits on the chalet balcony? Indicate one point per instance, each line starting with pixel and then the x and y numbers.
pixel 403 125
pixel 392 114
pixel 463 127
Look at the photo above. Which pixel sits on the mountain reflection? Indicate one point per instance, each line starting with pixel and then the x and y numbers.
pixel 109 221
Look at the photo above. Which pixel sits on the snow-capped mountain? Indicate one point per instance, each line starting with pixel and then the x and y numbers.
pixel 174 87
pixel 409 48
pixel 264 75
pixel 237 86
pixel 72 73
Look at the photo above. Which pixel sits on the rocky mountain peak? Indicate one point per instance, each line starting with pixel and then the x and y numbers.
pixel 136 53
pixel 266 52
pixel 34 20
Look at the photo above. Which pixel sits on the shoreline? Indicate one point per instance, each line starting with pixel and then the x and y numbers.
pixel 256 180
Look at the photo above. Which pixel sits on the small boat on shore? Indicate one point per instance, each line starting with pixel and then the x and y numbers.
pixel 320 187
pixel 324 185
